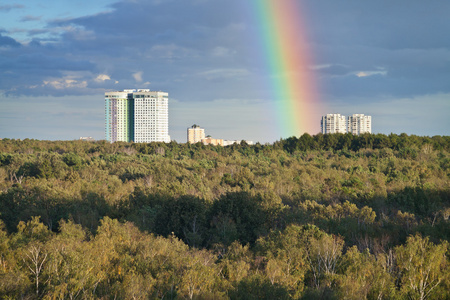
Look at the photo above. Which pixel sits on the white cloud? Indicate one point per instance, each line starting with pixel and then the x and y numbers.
pixel 138 76
pixel 63 83
pixel 102 77
pixel 370 73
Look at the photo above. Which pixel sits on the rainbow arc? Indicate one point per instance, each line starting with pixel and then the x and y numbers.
pixel 286 57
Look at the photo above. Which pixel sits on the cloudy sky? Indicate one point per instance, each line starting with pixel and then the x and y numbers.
pixel 388 59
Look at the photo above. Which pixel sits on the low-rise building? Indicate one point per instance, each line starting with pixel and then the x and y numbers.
pixel 210 141
pixel 196 134
pixel 230 142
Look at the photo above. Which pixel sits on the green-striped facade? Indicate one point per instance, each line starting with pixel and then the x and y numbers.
pixel 119 117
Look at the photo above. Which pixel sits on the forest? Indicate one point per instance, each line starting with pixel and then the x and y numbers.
pixel 332 216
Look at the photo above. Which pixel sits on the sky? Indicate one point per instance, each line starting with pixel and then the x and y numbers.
pixel 387 59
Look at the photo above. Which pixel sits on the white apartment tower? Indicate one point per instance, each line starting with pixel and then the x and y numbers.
pixel 141 116
pixel 333 123
pixel 359 124
pixel 151 116
pixel 195 134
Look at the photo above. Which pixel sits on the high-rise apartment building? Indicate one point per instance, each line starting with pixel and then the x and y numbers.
pixel 195 134
pixel 359 124
pixel 333 123
pixel 151 116
pixel 141 116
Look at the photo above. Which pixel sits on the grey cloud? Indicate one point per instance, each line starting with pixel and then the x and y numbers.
pixel 174 42
pixel 334 70
pixel 42 62
pixel 406 39
pixel 29 18
pixel 385 24
pixel 8 7
pixel 406 72
pixel 147 24
pixel 171 41
pixel 168 39
pixel 6 41
pixel 26 68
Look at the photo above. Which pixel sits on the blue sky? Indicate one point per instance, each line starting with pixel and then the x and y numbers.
pixel 387 59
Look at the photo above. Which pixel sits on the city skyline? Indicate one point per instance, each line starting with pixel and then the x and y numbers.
pixel 58 59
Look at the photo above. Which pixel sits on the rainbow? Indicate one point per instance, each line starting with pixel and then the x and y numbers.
pixel 281 36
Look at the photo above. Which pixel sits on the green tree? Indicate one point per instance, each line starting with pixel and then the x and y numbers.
pixel 286 258
pixel 199 274
pixel 258 287
pixel 72 268
pixel 363 277
pixel 323 252
pixel 422 267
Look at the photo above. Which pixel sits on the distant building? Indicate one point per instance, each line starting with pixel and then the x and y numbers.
pixel 355 124
pixel 210 141
pixel 359 124
pixel 141 116
pixel 333 123
pixel 87 138
pixel 195 134
pixel 228 142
